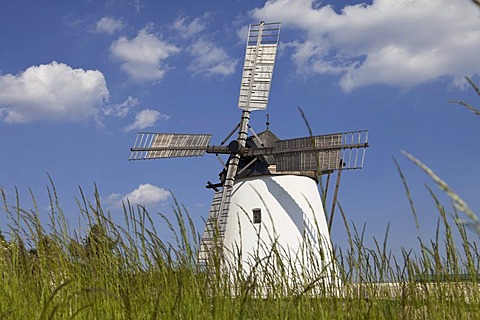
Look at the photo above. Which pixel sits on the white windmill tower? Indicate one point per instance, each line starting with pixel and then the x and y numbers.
pixel 267 195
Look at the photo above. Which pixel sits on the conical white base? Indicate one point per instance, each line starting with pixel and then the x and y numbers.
pixel 293 227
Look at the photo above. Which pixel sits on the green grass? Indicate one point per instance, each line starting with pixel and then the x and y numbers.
pixel 127 272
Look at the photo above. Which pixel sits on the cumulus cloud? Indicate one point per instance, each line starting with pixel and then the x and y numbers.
pixel 145 195
pixel 146 118
pixel 207 57
pixel 188 29
pixel 210 59
pixel 108 25
pixel 395 42
pixel 143 56
pixel 122 109
pixel 52 91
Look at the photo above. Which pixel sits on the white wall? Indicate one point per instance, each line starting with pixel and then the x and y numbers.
pixel 291 208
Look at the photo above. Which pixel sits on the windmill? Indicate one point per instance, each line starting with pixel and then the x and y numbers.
pixel 268 187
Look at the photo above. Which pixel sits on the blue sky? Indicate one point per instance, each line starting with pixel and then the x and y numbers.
pixel 78 79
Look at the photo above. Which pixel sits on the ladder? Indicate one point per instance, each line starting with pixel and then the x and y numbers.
pixel 216 225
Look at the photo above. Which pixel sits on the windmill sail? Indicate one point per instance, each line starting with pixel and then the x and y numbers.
pixel 168 145
pixel 322 153
pixel 257 73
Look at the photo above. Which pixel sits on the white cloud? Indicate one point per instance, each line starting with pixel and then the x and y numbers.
pixel 187 30
pixel 145 194
pixel 242 34
pixel 396 42
pixel 210 59
pixel 121 110
pixel 52 91
pixel 108 25
pixel 142 57
pixel 138 5
pixel 146 118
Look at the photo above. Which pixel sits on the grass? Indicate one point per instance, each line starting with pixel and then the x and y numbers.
pixel 127 272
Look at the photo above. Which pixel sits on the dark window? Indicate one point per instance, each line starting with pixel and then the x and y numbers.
pixel 257 215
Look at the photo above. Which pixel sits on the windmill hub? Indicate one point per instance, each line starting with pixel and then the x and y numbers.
pixel 235 147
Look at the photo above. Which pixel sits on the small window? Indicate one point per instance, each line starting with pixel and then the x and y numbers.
pixel 257 215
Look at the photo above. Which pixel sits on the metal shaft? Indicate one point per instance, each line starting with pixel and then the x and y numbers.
pixel 235 158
